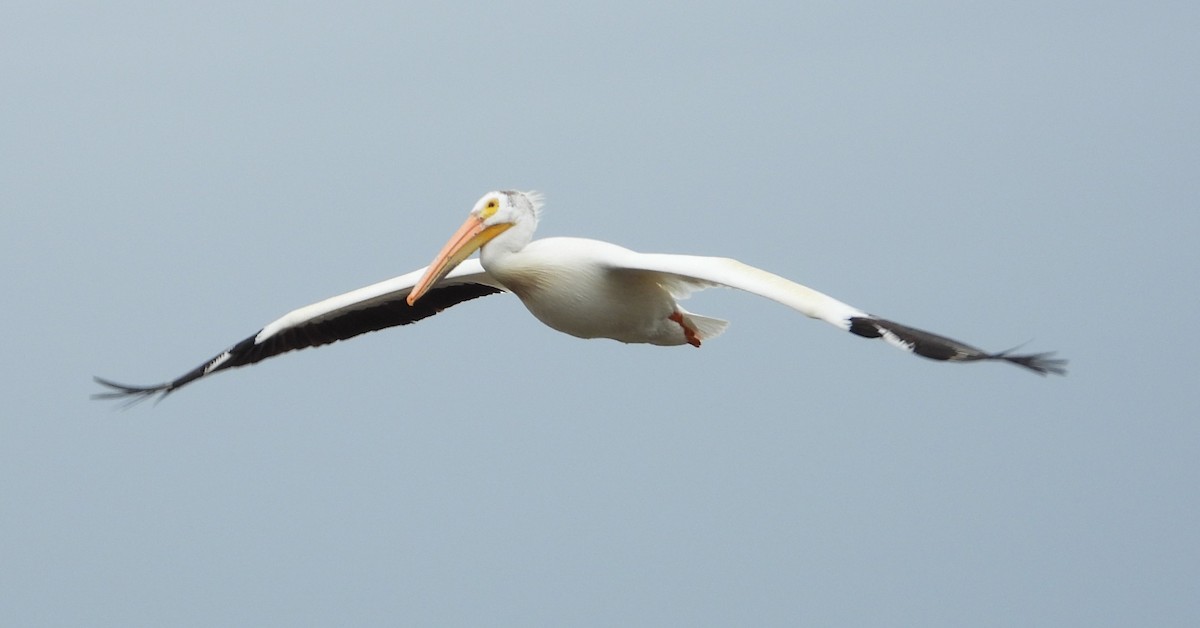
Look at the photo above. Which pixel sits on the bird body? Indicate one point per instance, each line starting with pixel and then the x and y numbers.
pixel 589 289
pixel 582 287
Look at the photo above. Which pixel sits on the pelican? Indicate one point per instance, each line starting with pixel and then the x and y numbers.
pixel 585 288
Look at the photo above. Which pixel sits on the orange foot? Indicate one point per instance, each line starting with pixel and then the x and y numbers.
pixel 688 332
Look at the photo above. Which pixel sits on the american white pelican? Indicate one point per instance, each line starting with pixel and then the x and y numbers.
pixel 585 288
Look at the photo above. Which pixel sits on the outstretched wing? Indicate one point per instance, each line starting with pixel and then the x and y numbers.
pixel 371 308
pixel 696 270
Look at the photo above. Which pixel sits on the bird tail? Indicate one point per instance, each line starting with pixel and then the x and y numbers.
pixel 705 327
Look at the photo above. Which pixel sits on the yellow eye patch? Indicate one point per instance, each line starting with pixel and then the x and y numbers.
pixel 490 208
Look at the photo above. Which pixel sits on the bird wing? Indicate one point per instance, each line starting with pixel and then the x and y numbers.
pixel 682 272
pixel 371 308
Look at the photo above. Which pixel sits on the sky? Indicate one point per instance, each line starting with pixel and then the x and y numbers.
pixel 173 177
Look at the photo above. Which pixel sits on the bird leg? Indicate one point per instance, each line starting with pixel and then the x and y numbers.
pixel 688 333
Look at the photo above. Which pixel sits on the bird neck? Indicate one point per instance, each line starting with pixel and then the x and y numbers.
pixel 510 241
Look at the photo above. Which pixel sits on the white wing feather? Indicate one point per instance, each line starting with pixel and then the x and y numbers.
pixel 469 271
pixel 734 274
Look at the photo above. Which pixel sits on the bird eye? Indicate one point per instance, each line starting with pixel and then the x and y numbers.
pixel 490 208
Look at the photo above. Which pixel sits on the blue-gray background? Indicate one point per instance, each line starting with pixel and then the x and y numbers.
pixel 172 178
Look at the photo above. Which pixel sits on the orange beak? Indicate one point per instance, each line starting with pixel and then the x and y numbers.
pixel 468 239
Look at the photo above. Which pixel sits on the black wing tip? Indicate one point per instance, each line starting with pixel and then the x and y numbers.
pixel 1041 363
pixel 941 348
pixel 132 395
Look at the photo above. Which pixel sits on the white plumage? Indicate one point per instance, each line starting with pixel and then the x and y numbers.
pixel 585 288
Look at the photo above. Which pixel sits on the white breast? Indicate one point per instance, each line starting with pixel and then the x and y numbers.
pixel 577 286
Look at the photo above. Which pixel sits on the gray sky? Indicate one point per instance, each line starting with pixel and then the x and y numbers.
pixel 173 178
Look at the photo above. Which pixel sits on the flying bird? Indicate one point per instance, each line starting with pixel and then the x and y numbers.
pixel 585 288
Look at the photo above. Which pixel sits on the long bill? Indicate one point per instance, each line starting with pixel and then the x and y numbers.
pixel 472 235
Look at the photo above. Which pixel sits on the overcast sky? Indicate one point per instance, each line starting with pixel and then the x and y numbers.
pixel 174 177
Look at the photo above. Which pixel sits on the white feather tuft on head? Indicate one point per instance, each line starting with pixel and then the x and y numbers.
pixel 532 200
pixel 536 199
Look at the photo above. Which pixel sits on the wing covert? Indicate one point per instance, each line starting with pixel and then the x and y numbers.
pixel 341 317
pixel 699 271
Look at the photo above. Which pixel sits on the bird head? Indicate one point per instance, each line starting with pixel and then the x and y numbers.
pixel 509 212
